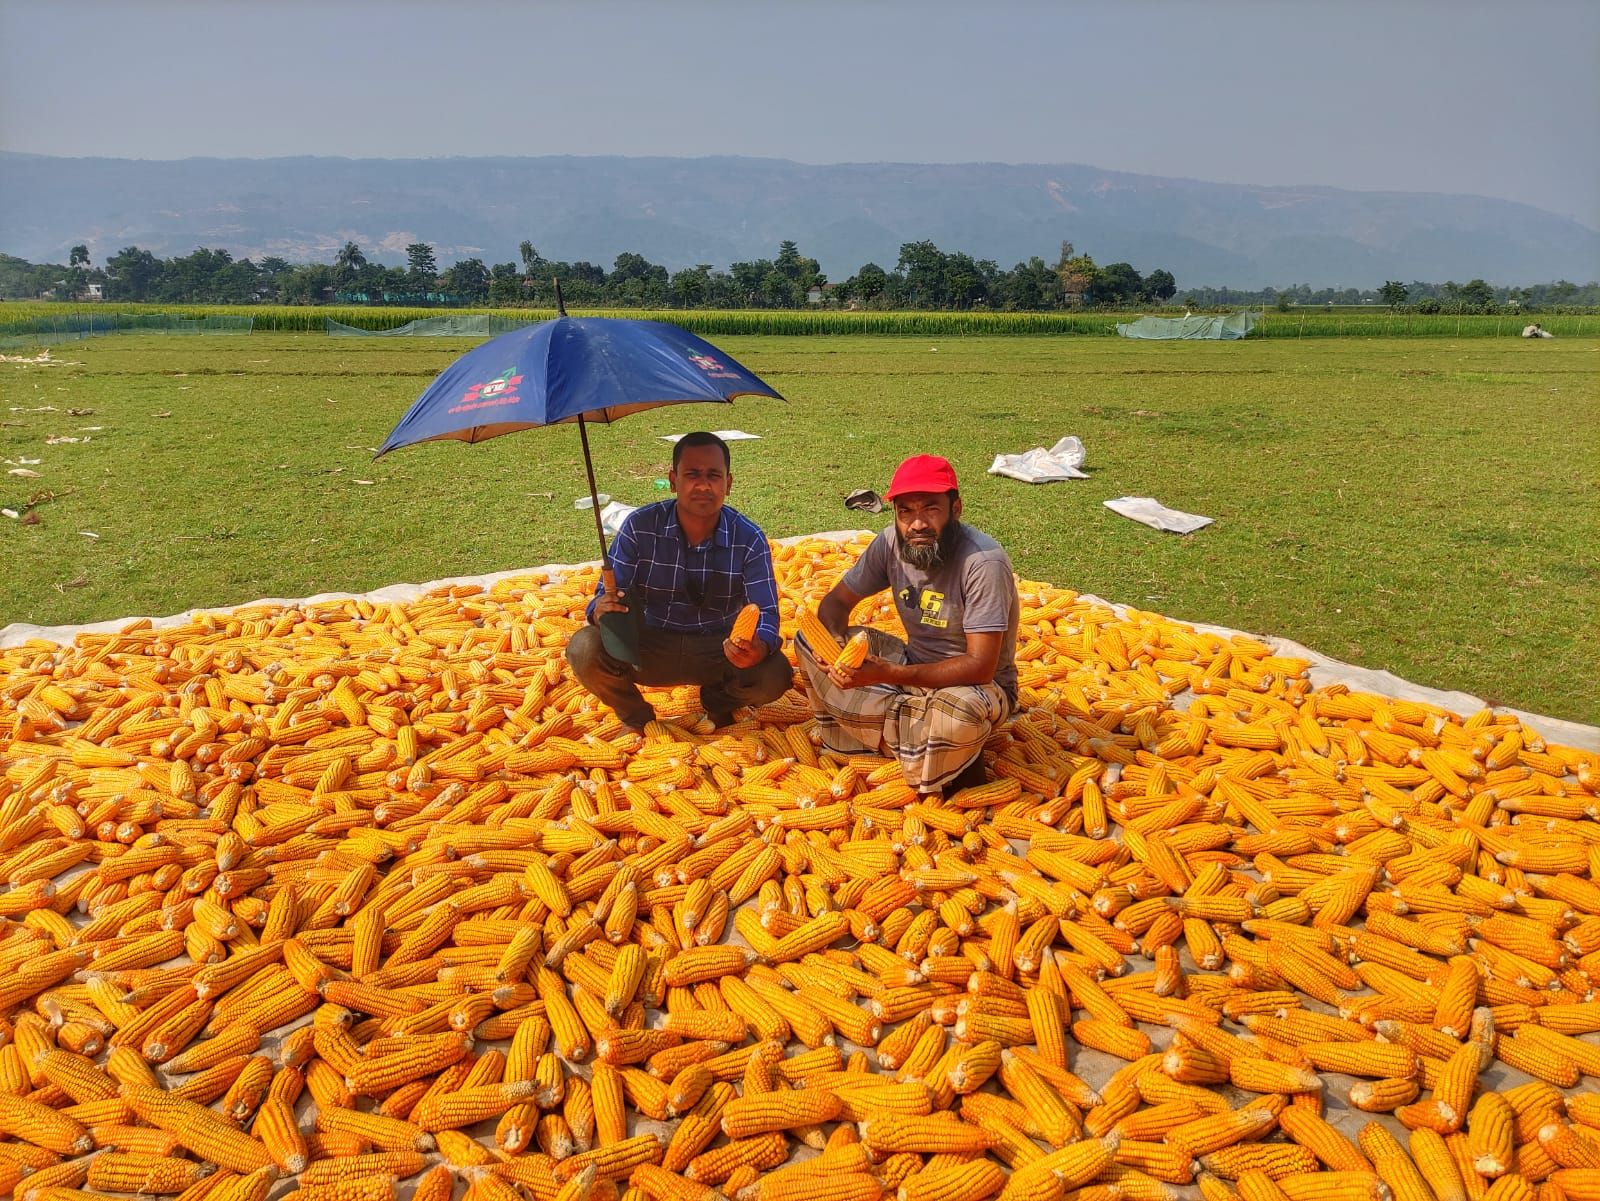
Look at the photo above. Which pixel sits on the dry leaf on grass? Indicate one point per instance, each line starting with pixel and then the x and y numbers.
pixel 75 582
pixel 24 473
pixel 168 413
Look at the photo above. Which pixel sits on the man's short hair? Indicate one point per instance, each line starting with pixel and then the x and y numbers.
pixel 701 438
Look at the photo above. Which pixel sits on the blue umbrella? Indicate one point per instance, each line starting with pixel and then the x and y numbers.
pixel 578 369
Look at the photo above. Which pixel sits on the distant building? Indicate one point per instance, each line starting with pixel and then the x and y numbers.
pixel 86 292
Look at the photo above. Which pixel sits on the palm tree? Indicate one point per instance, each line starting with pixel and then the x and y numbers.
pixel 349 261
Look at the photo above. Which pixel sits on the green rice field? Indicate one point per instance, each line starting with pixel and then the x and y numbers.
pixel 21 319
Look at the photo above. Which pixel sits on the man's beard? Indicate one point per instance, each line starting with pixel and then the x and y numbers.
pixel 929 556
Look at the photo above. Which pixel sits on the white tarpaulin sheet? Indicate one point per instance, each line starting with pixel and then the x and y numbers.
pixel 1147 511
pixel 1323 669
pixel 1041 466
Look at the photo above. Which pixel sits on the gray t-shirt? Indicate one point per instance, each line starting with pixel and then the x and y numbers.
pixel 972 591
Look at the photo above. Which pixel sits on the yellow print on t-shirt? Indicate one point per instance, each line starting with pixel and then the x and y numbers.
pixel 932 604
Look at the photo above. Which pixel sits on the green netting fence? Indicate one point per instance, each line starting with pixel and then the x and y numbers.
pixel 459 325
pixel 1202 329
pixel 46 329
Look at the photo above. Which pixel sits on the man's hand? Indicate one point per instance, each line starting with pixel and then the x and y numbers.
pixel 607 603
pixel 873 670
pixel 744 654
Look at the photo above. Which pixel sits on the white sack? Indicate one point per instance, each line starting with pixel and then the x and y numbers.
pixel 613 515
pixel 1041 466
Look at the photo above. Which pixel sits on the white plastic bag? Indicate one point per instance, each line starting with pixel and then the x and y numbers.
pixel 1041 466
pixel 613 515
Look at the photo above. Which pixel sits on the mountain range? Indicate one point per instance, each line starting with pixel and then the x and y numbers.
pixel 682 211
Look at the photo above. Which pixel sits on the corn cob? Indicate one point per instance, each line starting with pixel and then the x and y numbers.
pixel 199 1129
pixel 744 625
pixel 467 1106
pixel 121 1172
pixel 277 1130
pixel 821 642
pixel 1315 1134
pixel 1213 1132
pixel 1276 1160
pixel 1334 1186
pixel 380 1132
pixel 748 1116
pixel 890 1133
pixel 34 1123
pixel 334 1174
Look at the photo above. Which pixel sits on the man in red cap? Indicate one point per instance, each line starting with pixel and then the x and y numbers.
pixel 933 700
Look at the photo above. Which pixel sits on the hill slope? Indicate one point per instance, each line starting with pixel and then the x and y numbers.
pixel 718 210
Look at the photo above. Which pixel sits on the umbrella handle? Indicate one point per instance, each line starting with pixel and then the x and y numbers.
pixel 609 579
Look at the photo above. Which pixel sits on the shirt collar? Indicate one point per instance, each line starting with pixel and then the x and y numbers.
pixel 721 536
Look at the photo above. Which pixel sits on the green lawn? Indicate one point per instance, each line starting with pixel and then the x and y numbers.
pixel 1429 506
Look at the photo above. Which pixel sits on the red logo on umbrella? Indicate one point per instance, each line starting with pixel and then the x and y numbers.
pixel 501 390
pixel 711 367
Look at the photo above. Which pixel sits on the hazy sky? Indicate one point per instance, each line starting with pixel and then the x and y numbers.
pixel 1498 99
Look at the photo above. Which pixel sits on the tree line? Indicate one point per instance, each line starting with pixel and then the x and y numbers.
pixel 1474 296
pixel 923 277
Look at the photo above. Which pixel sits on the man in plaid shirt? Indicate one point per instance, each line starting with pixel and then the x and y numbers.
pixel 685 567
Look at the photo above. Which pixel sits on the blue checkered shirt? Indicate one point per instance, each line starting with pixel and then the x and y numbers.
pixel 655 565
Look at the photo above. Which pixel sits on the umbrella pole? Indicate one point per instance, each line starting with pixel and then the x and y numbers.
pixel 594 507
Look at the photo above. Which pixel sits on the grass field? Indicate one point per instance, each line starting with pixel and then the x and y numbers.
pixel 1427 506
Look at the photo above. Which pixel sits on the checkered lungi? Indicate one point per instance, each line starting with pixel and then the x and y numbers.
pixel 934 732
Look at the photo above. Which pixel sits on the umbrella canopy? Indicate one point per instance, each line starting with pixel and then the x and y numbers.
pixel 593 368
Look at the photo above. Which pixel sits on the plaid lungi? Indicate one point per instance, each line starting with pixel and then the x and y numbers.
pixel 934 732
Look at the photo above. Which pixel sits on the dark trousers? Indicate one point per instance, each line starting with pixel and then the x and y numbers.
pixel 667 659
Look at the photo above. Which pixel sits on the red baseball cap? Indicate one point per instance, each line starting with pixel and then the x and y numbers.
pixel 922 473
